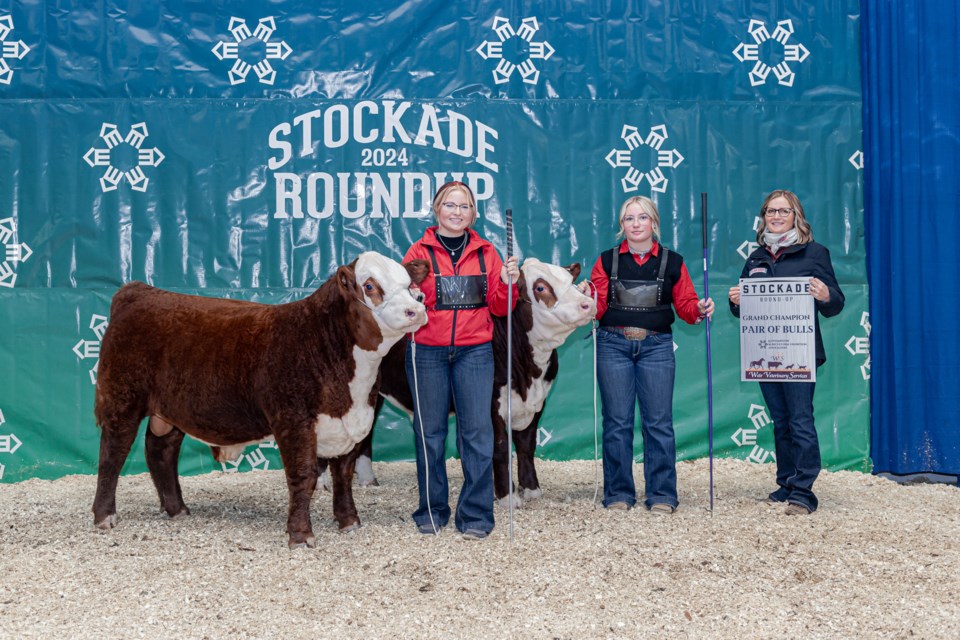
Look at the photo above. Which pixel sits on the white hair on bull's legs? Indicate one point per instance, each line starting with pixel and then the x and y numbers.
pixel 423 438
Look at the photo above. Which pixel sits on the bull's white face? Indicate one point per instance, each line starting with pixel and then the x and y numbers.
pixel 558 306
pixel 385 284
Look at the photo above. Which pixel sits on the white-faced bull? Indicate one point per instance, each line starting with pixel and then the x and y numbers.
pixel 231 372
pixel 549 309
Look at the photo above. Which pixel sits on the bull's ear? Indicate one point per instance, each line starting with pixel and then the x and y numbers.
pixel 522 287
pixel 418 270
pixel 347 279
pixel 574 269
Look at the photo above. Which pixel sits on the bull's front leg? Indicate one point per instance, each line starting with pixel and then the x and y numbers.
pixel 501 458
pixel 298 450
pixel 526 444
pixel 341 473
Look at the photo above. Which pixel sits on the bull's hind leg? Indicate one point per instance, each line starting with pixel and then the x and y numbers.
pixel 526 444
pixel 163 456
pixel 116 439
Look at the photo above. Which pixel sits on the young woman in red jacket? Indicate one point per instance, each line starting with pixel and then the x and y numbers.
pixel 454 362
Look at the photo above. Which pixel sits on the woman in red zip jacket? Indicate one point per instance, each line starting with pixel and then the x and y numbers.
pixel 451 359
pixel 787 249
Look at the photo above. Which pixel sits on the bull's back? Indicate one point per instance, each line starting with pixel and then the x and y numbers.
pixel 179 356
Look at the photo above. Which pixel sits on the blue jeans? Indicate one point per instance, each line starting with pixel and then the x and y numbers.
pixel 795 440
pixel 466 375
pixel 629 371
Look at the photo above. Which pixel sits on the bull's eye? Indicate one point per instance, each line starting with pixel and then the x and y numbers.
pixel 368 287
pixel 540 288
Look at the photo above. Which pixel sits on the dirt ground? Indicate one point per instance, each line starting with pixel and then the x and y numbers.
pixel 877 560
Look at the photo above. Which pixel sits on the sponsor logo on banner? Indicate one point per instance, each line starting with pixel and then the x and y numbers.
pixel 747 436
pixel 252 50
pixel 777 331
pixel 515 50
pixel 777 62
pixel 390 134
pixel 10 49
pixel 124 157
pixel 9 442
pixel 625 158
pixel 861 346
pixel 14 252
pixel 90 349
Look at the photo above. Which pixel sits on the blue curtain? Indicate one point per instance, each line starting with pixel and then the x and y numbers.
pixel 911 103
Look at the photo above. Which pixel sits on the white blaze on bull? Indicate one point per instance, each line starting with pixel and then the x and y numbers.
pixel 386 291
pixel 558 309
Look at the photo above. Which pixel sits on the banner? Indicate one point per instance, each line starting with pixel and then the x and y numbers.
pixel 777 339
pixel 247 150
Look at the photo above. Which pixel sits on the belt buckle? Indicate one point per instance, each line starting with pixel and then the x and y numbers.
pixel 635 333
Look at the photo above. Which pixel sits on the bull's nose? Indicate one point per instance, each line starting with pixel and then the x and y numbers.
pixel 585 306
pixel 410 313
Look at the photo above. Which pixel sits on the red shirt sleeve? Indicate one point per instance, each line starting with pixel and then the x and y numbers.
pixel 601 281
pixel 685 297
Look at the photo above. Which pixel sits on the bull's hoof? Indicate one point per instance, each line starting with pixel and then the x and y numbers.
pixel 350 526
pixel 532 494
pixel 107 523
pixel 180 514
pixel 504 502
pixel 309 542
pixel 372 482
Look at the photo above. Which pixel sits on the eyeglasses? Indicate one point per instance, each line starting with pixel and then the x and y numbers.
pixel 783 213
pixel 453 206
pixel 642 219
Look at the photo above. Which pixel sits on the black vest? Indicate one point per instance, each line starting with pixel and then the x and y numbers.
pixel 631 298
pixel 459 292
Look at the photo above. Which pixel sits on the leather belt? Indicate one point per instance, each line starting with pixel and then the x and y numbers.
pixel 632 333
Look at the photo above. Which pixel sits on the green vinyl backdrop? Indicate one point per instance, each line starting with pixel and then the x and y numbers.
pixel 246 149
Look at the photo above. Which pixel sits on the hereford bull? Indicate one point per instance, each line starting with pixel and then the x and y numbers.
pixel 231 372
pixel 549 309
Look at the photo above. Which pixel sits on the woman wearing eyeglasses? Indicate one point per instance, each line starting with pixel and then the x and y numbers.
pixel 787 249
pixel 639 285
pixel 454 359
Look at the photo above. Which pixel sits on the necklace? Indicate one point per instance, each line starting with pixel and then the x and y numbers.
pixel 453 250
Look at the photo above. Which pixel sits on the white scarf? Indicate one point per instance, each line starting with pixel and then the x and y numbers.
pixel 777 241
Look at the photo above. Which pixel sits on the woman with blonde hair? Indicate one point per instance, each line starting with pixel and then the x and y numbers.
pixel 787 250
pixel 639 285
pixel 454 360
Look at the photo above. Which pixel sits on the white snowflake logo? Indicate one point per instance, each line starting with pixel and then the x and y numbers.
pixel 631 180
pixel 10 50
pixel 13 252
pixel 747 436
pixel 8 443
pixel 527 50
pixel 257 48
pixel 91 348
pixel 751 53
pixel 861 346
pixel 149 157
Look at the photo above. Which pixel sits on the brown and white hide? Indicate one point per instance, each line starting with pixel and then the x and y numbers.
pixel 232 372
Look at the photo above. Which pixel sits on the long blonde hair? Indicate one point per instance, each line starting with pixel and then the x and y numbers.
pixel 804 232
pixel 648 207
